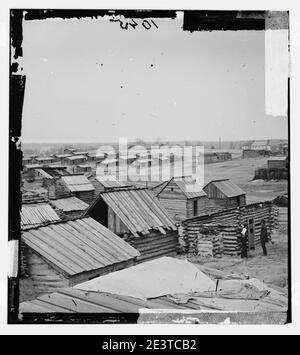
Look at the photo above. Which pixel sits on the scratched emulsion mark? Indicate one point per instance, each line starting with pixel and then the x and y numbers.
pixel 276 63
pixel 16 99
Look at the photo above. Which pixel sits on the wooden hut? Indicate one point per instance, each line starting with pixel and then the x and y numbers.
pixel 261 145
pixel 62 157
pixel 277 163
pixel 255 153
pixel 27 160
pixel 67 253
pixel 83 168
pixel 69 151
pixel 181 197
pixel 69 207
pixel 137 216
pixel 228 223
pixel 80 187
pixel 75 159
pixel 225 194
pixel 45 160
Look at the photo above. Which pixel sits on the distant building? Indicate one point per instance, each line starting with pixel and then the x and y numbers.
pixel 252 153
pixel 75 159
pixel 261 145
pixel 277 163
pixel 45 160
pixel 69 150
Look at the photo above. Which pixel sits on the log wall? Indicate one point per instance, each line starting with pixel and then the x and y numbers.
pixel 155 245
pixel 229 224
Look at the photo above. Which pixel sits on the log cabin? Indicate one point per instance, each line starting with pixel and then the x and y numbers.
pixel 67 253
pixel 229 224
pixel 137 216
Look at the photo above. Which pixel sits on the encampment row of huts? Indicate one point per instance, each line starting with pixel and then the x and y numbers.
pixel 77 227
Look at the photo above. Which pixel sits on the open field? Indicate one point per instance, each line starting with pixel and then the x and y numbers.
pixel 241 172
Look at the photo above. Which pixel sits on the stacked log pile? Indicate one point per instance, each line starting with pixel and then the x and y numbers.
pixel 209 242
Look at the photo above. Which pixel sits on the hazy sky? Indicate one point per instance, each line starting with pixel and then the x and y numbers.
pixel 91 81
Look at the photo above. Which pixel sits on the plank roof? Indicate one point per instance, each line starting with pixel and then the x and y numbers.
pixel 138 209
pixel 79 246
pixel 227 187
pixel 187 184
pixel 38 214
pixel 76 183
pixel 69 204
pixel 76 157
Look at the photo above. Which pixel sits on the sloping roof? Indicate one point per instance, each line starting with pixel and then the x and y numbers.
pixel 33 196
pixel 228 188
pixel 44 174
pixel 45 158
pixel 138 209
pixel 76 183
pixel 261 142
pixel 79 246
pixel 277 159
pixel 110 181
pixel 63 155
pixel 76 157
pixel 38 214
pixel 69 204
pixel 187 185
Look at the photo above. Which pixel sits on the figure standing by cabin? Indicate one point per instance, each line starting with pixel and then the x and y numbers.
pixel 244 252
pixel 264 236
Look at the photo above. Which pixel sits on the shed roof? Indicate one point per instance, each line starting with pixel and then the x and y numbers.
pixel 76 157
pixel 44 174
pixel 261 142
pixel 79 246
pixel 45 158
pixel 76 183
pixel 38 214
pixel 277 159
pixel 138 209
pixel 62 155
pixel 187 184
pixel 227 187
pixel 110 181
pixel 69 204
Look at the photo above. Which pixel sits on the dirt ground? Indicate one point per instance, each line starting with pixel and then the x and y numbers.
pixel 241 172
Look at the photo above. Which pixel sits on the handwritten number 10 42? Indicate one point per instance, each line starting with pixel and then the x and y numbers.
pixel 124 23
